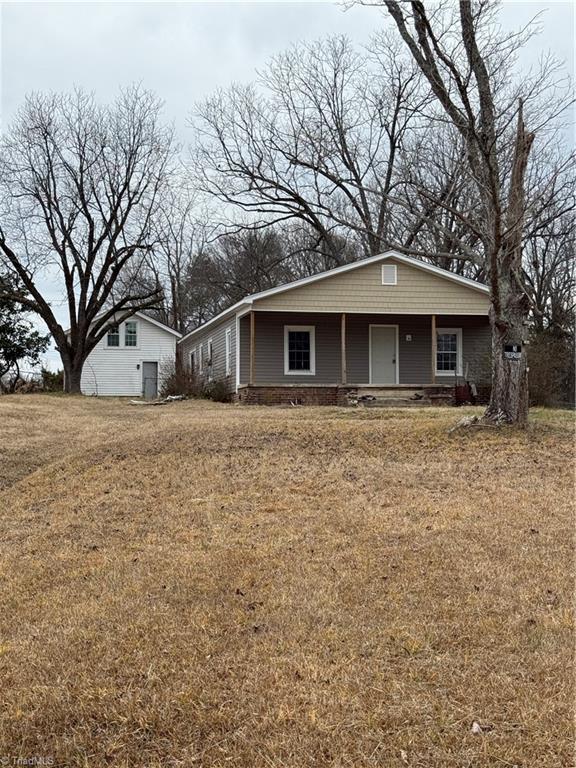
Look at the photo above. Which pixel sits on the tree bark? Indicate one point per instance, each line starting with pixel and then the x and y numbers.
pixel 510 302
pixel 509 395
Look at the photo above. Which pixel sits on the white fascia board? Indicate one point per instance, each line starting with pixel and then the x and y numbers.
pixel 222 316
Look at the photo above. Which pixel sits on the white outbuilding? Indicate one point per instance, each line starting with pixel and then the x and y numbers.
pixel 130 359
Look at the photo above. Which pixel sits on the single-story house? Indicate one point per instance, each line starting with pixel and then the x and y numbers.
pixel 129 359
pixel 389 321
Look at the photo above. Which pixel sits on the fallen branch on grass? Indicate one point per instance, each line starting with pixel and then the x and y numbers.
pixel 164 401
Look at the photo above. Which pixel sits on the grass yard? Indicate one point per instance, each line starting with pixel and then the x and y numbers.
pixel 208 585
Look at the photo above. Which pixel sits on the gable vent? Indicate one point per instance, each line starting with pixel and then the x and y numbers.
pixel 389 274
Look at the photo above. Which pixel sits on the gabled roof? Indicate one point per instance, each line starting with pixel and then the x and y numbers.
pixel 247 301
pixel 158 323
pixel 144 317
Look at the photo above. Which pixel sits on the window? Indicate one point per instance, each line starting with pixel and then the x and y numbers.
pixel 113 338
pixel 131 334
pixel 209 360
pixel 299 350
pixel 193 360
pixel 200 358
pixel 449 351
pixel 389 274
pixel 228 351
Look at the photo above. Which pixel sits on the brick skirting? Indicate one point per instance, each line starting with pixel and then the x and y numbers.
pixel 278 395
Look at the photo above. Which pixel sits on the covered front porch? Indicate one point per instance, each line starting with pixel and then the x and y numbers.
pixel 360 351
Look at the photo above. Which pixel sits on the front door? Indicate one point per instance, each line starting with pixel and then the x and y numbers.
pixel 383 354
pixel 150 380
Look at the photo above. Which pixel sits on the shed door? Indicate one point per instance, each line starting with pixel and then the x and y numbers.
pixel 150 380
pixel 383 354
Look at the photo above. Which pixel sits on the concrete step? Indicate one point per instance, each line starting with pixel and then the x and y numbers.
pixel 402 393
pixel 394 402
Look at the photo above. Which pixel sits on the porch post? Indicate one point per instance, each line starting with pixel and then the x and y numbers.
pixel 433 349
pixel 252 338
pixel 343 373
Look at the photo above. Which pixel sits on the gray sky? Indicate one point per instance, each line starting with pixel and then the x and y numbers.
pixel 183 51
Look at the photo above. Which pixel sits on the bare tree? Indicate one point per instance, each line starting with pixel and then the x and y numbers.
pixel 183 231
pixel 468 63
pixel 316 140
pixel 79 191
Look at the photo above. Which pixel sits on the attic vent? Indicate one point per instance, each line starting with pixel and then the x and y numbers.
pixel 389 274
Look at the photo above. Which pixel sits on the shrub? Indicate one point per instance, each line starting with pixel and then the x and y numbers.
pixel 52 381
pixel 177 380
pixel 218 391
pixel 551 374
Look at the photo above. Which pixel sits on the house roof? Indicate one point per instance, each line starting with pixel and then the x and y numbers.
pixel 152 320
pixel 247 301
pixel 158 323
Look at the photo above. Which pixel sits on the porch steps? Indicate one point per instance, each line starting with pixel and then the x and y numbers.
pixel 407 397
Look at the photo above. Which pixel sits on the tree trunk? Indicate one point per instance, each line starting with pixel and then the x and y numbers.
pixel 510 303
pixel 73 376
pixel 509 396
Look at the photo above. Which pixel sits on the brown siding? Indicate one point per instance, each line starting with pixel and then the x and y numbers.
pixel 361 290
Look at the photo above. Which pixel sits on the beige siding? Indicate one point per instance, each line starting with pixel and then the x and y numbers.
pixel 360 290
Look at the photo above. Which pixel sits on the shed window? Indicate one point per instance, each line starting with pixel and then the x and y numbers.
pixel 449 351
pixel 193 360
pixel 389 276
pixel 113 338
pixel 299 349
pixel 131 334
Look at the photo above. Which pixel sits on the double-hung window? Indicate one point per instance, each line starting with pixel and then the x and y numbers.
pixel 449 351
pixel 299 350
pixel 130 333
pixel 113 338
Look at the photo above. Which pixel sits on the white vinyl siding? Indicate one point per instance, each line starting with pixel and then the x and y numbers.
pixel 117 371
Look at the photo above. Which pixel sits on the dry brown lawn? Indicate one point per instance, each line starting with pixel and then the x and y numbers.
pixel 207 585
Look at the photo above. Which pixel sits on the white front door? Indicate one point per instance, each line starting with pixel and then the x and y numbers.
pixel 383 354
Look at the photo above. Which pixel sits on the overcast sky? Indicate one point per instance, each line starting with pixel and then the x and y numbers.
pixel 184 51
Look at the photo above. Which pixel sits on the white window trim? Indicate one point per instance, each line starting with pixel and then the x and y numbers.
pixel 458 332
pixel 312 331
pixel 137 345
pixel 395 268
pixel 228 342
pixel 193 351
pixel 201 358
pixel 114 346
pixel 210 357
